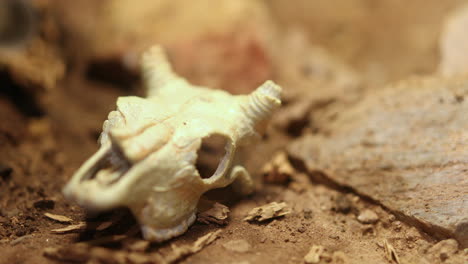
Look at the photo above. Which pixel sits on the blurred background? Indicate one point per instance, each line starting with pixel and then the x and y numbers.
pixel 64 63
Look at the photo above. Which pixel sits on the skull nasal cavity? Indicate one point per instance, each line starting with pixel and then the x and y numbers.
pixel 210 155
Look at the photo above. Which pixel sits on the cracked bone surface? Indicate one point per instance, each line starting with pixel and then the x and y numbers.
pixel 148 148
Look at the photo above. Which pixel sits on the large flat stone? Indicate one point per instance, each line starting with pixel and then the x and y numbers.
pixel 405 146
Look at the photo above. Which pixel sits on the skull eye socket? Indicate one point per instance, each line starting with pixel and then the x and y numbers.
pixel 211 154
pixel 110 166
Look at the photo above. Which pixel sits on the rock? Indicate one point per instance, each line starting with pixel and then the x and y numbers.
pixel 368 217
pixel 405 146
pixel 314 254
pixel 444 249
pixel 239 245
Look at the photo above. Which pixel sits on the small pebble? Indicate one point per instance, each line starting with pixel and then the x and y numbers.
pixel 307 213
pixel 343 204
pixel 368 217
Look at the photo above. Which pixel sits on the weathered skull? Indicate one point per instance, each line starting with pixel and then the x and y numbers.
pixel 149 146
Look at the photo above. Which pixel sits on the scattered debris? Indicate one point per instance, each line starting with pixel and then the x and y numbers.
pixel 390 253
pixel 83 252
pixel 186 250
pixel 266 212
pixel 278 170
pixel 58 218
pixel 314 254
pixel 87 252
pixel 70 229
pixel 239 245
pixel 217 214
pixel 368 217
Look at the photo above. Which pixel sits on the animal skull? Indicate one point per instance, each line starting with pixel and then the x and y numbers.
pixel 148 148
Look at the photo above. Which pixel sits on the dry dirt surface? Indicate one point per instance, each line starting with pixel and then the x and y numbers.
pixel 364 162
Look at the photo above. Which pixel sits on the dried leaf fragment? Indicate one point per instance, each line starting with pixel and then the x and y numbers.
pixel 58 218
pixel 218 214
pixel 266 212
pixel 70 229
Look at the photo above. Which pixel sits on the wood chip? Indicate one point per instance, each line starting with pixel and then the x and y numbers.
pixel 70 229
pixel 58 218
pixel 266 212
pixel 390 253
pixel 181 252
pixel 218 214
pixel 104 225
